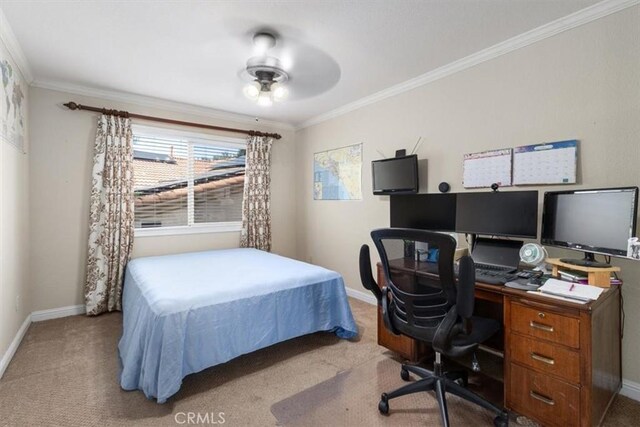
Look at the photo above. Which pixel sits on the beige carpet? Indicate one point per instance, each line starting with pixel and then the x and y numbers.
pixel 350 398
pixel 65 374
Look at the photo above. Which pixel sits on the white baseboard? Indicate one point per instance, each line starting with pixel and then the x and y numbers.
pixel 362 296
pixel 8 355
pixel 36 316
pixel 630 389
pixel 55 313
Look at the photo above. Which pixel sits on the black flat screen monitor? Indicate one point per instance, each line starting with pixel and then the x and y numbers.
pixel 503 213
pixel 496 252
pixel 436 212
pixel 395 176
pixel 596 221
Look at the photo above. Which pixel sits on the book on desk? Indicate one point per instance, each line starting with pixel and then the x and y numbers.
pixel 572 291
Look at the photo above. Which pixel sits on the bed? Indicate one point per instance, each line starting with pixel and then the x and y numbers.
pixel 187 312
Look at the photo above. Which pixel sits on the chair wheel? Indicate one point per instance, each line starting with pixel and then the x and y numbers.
pixel 463 380
pixel 404 374
pixel 501 420
pixel 383 406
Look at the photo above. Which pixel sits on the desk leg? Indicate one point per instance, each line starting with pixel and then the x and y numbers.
pixel 507 346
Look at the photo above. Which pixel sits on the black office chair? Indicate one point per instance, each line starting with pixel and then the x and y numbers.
pixel 421 300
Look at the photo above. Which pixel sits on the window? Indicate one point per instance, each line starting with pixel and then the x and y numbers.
pixel 186 182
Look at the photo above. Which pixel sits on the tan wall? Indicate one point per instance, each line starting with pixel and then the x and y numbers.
pixel 61 159
pixel 14 232
pixel 581 84
pixel 14 236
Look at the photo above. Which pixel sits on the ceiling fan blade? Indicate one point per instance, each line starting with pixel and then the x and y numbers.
pixel 311 70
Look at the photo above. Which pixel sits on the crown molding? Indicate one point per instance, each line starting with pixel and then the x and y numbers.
pixel 9 39
pixel 581 17
pixel 147 101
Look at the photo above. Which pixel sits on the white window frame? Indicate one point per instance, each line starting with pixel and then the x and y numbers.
pixel 197 138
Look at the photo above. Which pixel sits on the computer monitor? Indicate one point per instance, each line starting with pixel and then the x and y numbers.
pixel 496 252
pixel 436 212
pixel 599 221
pixel 501 213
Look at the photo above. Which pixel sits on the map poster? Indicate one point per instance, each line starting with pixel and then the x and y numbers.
pixel 337 174
pixel 12 105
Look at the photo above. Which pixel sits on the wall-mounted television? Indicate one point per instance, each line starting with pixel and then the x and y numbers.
pixel 596 221
pixel 398 175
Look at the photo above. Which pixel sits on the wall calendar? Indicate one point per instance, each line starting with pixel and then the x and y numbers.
pixel 486 168
pixel 548 163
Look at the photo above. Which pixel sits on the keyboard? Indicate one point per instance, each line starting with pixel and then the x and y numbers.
pixel 490 267
pixel 495 275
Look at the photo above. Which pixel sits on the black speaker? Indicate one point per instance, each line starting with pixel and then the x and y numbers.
pixel 444 187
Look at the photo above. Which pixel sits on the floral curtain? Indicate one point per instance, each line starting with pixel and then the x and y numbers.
pixel 111 221
pixel 256 212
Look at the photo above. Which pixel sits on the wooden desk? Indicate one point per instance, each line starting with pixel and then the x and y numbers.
pixel 562 360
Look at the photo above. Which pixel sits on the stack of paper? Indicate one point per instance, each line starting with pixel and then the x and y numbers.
pixel 581 277
pixel 573 276
pixel 571 290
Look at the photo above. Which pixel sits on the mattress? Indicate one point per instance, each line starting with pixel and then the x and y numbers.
pixel 187 312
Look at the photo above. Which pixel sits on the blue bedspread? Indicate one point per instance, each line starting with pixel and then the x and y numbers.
pixel 184 313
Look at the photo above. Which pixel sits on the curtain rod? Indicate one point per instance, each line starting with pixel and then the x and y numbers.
pixel 76 106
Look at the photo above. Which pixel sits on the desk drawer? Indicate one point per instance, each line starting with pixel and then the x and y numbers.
pixel 551 401
pixel 545 325
pixel 546 357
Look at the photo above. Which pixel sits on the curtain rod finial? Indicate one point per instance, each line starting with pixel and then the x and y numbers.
pixel 72 105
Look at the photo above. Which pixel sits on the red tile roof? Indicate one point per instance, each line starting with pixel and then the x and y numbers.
pixel 182 192
pixel 149 173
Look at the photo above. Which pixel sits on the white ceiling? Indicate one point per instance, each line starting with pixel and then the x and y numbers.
pixel 193 51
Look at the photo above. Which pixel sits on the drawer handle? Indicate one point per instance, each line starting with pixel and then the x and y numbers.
pixel 541 315
pixel 541 398
pixel 540 326
pixel 544 359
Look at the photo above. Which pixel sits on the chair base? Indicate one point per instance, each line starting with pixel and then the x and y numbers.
pixel 454 382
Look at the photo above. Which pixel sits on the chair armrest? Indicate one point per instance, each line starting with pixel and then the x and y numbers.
pixel 365 273
pixel 465 291
pixel 450 327
pixel 445 332
pixel 386 314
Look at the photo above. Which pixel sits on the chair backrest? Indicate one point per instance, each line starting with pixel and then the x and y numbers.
pixel 419 274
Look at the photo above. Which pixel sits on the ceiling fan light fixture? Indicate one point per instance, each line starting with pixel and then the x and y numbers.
pixel 279 92
pixel 267 72
pixel 264 99
pixel 252 90
pixel 260 66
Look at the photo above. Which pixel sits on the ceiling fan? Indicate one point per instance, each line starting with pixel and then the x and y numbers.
pixel 267 72
pixel 293 70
